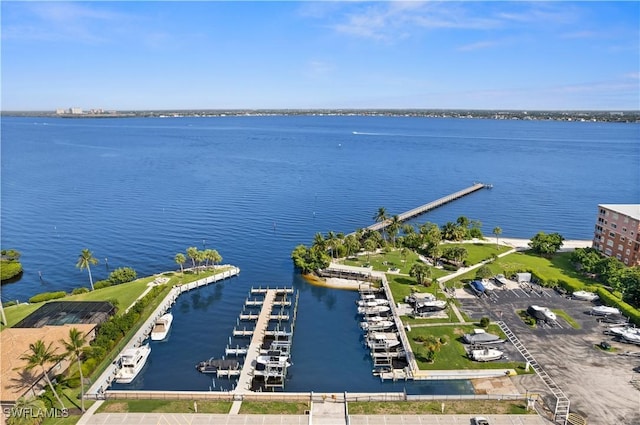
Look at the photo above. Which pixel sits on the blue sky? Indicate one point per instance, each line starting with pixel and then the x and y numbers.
pixel 218 55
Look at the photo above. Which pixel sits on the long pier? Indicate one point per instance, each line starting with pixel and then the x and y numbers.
pixel 431 205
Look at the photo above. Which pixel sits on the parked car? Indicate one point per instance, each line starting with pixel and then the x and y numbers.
pixel 479 420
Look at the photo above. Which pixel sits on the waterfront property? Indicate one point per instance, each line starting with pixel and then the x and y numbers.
pixel 617 232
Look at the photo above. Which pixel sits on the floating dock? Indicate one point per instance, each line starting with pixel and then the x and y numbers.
pixel 431 205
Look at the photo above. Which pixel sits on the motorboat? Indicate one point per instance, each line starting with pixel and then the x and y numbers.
pixel 585 296
pixel 500 279
pixel 479 336
pixel 486 354
pixel 372 302
pixel 424 306
pixel 162 326
pixel 541 313
pixel 274 358
pixel 131 362
pixel 631 336
pixel 378 325
pixel 478 287
pixel 382 340
pixel 417 297
pixel 373 310
pixel 604 310
pixel 213 365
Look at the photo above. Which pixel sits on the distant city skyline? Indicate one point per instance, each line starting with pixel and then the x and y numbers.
pixel 320 55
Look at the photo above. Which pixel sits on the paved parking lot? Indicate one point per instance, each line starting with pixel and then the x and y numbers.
pixel 598 383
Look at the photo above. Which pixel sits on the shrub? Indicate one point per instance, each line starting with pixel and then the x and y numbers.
pixel 102 284
pixel 79 291
pixel 9 269
pixel 484 322
pixel 46 296
pixel 610 299
pixel 8 304
pixel 122 275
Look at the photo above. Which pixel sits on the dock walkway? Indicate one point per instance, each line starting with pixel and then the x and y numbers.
pixel 431 205
pixel 244 381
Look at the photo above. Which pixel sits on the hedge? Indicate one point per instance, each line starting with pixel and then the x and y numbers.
pixel 9 269
pixel 46 296
pixel 626 309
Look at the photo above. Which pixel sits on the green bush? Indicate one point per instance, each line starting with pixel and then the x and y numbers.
pixel 102 284
pixel 122 275
pixel 46 296
pixel 9 269
pixel 79 291
pixel 484 322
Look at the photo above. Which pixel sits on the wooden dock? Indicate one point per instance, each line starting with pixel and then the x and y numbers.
pixel 431 205
pixel 244 381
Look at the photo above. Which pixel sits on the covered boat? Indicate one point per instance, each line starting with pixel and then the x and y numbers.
pixel 500 279
pixel 378 325
pixel 584 296
pixel 477 286
pixel 382 340
pixel 603 310
pixel 426 306
pixel 541 313
pixel 373 310
pixel 486 354
pixel 161 327
pixel 372 302
pixel 479 336
pixel 213 365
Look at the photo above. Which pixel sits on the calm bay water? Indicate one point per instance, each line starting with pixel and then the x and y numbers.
pixel 137 191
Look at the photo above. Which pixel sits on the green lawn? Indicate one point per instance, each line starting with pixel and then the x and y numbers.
pixel 384 261
pixel 164 406
pixel 570 320
pixel 273 408
pixel 452 355
pixel 478 252
pixel 458 407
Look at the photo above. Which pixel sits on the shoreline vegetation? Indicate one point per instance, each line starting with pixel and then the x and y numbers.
pixel 10 266
pixel 618 116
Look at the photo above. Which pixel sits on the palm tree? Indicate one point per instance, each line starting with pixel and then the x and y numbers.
pixel 32 405
pixel 215 256
pixel 497 231
pixel 421 272
pixel 85 260
pixel 380 216
pixel 73 346
pixel 40 355
pixel 394 226
pixel 192 253
pixel 331 242
pixel 180 259
pixel 369 245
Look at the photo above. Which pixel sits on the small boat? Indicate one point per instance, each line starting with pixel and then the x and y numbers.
pixel 500 279
pixel 603 310
pixel 424 306
pixel 585 296
pixel 417 297
pixel 162 326
pixel 372 303
pixel 486 355
pixel 478 287
pixel 479 336
pixel 631 336
pixel 378 325
pixel 541 313
pixel 131 362
pixel 275 358
pixel 213 365
pixel 373 310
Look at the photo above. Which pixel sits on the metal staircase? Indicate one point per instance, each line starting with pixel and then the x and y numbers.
pixel 561 412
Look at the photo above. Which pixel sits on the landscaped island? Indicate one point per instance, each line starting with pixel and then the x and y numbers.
pixel 10 266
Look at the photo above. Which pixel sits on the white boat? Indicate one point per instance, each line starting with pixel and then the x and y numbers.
pixel 500 279
pixel 479 336
pixel 585 296
pixel 541 313
pixel 373 310
pixel 372 302
pixel 435 305
pixel 381 340
pixel 419 297
pixel 631 335
pixel 378 325
pixel 603 310
pixel 486 354
pixel 162 326
pixel 274 359
pixel 132 361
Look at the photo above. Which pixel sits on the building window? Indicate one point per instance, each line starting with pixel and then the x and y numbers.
pixel 620 247
pixel 607 251
pixel 609 242
pixel 626 261
pixel 614 216
pixel 621 238
pixel 614 225
pixel 612 235
pixel 626 219
pixel 624 229
pixel 619 257
pixel 628 251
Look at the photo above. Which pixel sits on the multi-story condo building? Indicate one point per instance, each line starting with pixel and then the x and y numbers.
pixel 617 232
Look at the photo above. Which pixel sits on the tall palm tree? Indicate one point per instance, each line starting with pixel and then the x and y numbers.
pixel 394 227
pixel 380 216
pixel 73 347
pixel 421 272
pixel 180 259
pixel 192 253
pixel 41 355
pixel 85 260
pixel 497 231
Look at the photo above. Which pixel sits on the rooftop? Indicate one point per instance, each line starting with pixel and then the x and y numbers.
pixel 631 210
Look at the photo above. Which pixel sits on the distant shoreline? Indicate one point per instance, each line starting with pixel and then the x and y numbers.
pixel 618 116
